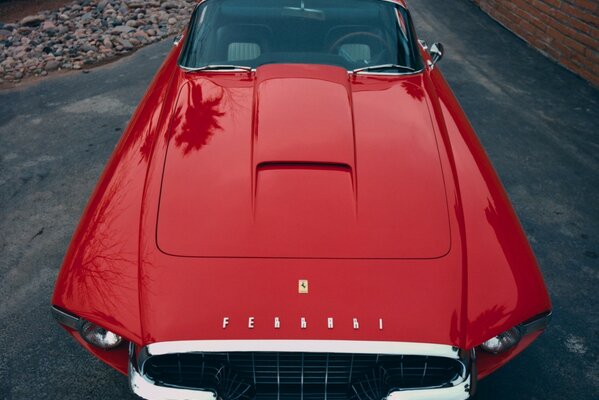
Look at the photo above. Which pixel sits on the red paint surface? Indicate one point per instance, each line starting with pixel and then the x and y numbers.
pixel 222 194
pixel 217 199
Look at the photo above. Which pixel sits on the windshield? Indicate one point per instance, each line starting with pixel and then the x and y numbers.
pixel 351 34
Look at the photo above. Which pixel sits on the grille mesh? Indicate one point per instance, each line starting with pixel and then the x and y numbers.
pixel 301 376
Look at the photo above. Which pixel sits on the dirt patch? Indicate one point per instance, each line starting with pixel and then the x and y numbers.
pixel 14 10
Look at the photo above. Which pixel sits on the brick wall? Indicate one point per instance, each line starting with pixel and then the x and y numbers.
pixel 565 30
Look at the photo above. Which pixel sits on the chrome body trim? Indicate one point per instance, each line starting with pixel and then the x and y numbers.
pixel 538 323
pixel 146 389
pixel 65 318
pixel 460 389
pixel 305 346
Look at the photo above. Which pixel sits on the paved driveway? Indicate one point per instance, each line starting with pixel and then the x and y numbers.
pixel 538 122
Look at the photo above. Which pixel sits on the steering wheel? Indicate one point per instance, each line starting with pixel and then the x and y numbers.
pixel 369 35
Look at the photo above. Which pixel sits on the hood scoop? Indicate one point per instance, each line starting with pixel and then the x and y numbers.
pixel 299 118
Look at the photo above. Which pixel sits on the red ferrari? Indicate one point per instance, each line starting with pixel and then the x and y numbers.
pixel 300 209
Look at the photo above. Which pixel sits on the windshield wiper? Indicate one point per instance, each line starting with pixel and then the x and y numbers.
pixel 217 67
pixel 403 68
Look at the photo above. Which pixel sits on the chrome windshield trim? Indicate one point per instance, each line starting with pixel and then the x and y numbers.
pixel 384 1
pixel 218 68
pixel 304 346
pixel 373 73
pixel 65 318
pixel 374 68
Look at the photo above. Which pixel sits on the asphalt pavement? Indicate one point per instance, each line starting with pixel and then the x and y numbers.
pixel 538 122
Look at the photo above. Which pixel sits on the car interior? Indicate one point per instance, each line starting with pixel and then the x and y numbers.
pixel 346 33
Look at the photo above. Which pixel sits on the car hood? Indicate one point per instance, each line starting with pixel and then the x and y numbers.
pixel 299 173
pixel 302 162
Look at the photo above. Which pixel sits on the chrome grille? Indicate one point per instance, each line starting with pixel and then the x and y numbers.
pixel 302 376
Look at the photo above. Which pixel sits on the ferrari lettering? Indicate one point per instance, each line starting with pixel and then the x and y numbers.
pixel 303 323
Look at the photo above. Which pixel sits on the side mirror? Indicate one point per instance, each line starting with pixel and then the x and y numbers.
pixel 436 53
pixel 177 39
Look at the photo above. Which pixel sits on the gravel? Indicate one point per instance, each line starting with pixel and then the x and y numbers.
pixel 84 33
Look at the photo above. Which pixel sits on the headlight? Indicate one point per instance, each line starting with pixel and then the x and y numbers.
pixel 503 342
pixel 98 336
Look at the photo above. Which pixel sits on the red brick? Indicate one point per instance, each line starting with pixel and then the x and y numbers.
pixel 564 30
pixel 589 5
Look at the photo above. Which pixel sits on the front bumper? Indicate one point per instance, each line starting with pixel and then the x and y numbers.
pixel 461 388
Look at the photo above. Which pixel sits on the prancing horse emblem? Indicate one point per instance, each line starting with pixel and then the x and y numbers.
pixel 302 286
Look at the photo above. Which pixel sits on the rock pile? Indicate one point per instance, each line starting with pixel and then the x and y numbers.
pixel 84 33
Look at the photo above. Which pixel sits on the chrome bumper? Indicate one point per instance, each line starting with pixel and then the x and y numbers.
pixel 461 389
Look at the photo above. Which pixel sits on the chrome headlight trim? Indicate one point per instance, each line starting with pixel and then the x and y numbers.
pixel 535 324
pixel 76 323
pixel 538 323
pixel 65 318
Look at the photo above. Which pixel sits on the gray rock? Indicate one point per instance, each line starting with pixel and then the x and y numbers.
pixel 122 29
pixel 24 30
pixel 48 25
pixel 135 4
pixel 167 5
pixel 125 43
pixel 32 20
pixel 5 34
pixel 101 5
pixel 141 35
pixel 52 65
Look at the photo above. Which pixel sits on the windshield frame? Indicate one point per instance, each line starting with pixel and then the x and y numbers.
pixel 411 40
